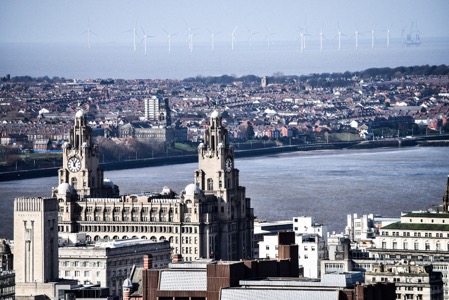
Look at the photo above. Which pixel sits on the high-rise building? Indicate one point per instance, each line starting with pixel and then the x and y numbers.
pixel 157 110
pixel 35 246
pixel 211 218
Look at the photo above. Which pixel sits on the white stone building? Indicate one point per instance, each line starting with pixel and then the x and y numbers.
pixel 110 263
pixel 311 245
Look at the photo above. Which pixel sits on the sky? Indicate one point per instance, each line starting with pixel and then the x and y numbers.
pixel 112 21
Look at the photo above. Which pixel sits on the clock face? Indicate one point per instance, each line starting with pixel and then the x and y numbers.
pixel 228 165
pixel 74 164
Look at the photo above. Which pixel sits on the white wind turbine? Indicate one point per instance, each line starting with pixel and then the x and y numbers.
pixel 388 36
pixel 251 34
pixel 305 33
pixel 356 34
pixel 134 31
pixel 88 31
pixel 191 41
pixel 233 37
pixel 267 36
pixel 339 34
pixel 212 38
pixel 169 36
pixel 321 39
pixel 301 40
pixel 145 36
pixel 373 36
pixel 190 36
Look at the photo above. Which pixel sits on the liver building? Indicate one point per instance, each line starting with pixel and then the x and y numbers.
pixel 210 218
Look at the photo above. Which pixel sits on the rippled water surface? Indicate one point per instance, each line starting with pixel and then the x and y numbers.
pixel 327 184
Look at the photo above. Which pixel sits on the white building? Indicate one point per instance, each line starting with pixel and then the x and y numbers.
pixel 110 263
pixel 311 245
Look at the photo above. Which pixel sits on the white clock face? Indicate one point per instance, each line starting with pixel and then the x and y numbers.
pixel 74 164
pixel 228 165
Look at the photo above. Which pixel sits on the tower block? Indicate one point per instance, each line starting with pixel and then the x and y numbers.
pixel 35 246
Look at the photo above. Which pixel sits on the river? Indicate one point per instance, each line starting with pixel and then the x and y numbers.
pixel 325 184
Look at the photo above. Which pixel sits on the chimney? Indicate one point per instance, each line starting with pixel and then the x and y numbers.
pixel 177 258
pixel 147 261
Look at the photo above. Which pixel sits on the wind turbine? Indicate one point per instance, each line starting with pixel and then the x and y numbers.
pixel 191 41
pixel 301 39
pixel 145 36
pixel 373 36
pixel 356 34
pixel 267 36
pixel 339 34
pixel 169 35
pixel 134 30
pixel 233 37
pixel 88 31
pixel 251 34
pixel 190 36
pixel 212 37
pixel 305 34
pixel 388 37
pixel 321 39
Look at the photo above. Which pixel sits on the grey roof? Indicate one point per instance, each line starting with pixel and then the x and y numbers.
pixel 183 281
pixel 270 294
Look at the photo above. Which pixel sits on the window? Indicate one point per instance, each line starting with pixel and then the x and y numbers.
pixel 405 246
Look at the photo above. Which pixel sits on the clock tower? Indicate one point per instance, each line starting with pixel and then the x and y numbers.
pixel 81 163
pixel 218 178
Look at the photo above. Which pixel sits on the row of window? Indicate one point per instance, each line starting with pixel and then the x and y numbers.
pixel 144 229
pixel 416 246
pixel 415 234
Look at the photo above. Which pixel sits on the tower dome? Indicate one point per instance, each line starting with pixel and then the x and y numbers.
pixel 79 113
pixel 192 190
pixel 215 114
pixel 63 188
pixel 108 182
pixel 127 283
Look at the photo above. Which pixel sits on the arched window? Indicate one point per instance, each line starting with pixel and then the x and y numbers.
pixel 74 183
pixel 153 238
pixel 210 184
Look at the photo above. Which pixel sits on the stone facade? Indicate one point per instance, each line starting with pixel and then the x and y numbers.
pixel 211 218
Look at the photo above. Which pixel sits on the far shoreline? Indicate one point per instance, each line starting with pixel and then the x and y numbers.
pixel 438 141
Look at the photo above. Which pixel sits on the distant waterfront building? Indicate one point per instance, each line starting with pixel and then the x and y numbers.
pixel 211 218
pixel 263 81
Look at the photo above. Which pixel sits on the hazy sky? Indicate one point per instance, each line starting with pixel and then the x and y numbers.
pixel 58 21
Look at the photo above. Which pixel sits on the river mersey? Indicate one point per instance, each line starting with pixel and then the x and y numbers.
pixel 327 185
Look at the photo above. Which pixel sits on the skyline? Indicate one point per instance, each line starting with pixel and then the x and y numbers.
pixel 175 40
pixel 93 22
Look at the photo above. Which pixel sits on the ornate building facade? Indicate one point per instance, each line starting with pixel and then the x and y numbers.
pixel 210 218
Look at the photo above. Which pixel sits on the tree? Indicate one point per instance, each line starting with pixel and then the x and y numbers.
pixel 249 131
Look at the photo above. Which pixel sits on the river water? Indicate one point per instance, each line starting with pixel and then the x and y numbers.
pixel 325 184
